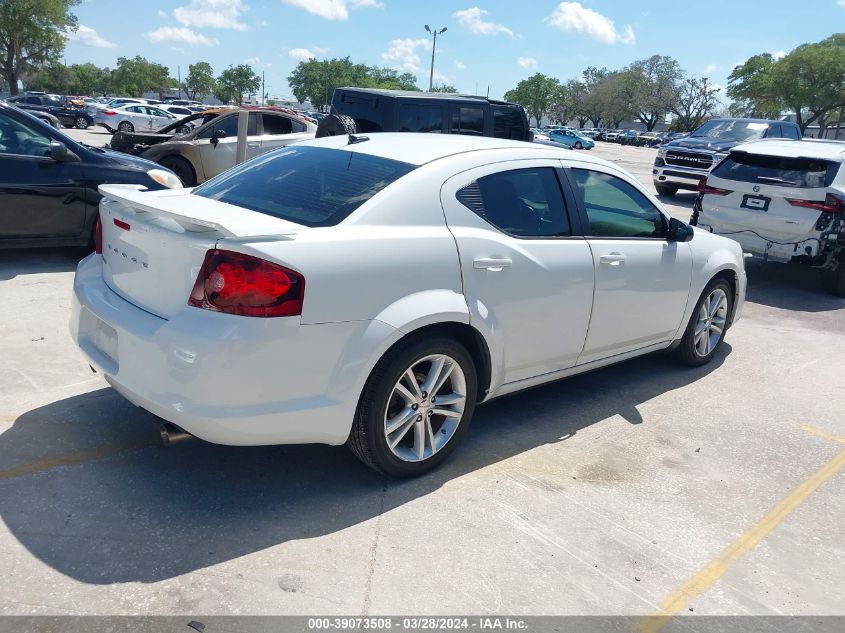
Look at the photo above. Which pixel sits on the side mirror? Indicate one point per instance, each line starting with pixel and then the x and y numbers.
pixel 60 153
pixel 215 138
pixel 680 231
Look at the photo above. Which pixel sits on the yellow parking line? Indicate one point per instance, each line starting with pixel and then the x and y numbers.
pixel 70 458
pixel 706 577
pixel 822 433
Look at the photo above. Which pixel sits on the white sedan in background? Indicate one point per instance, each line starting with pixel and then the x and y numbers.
pixel 372 291
pixel 132 117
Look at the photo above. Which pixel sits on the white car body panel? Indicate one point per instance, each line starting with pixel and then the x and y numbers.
pixel 402 261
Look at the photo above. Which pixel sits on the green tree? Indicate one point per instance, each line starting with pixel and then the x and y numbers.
pixel 535 94
pixel 200 80
pixel 696 101
pixel 31 35
pixel 609 96
pixel 236 81
pixel 136 75
pixel 52 77
pixel 444 87
pixel 751 87
pixel 89 79
pixel 563 105
pixel 315 80
pixel 589 106
pixel 652 87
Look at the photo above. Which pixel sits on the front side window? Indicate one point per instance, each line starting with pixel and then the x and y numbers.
pixel 468 120
pixel 421 118
pixel 615 208
pixel 277 124
pixel 19 139
pixel 313 186
pixel 229 126
pixel 520 202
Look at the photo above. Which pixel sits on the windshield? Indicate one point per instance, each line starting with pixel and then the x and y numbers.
pixel 731 130
pixel 314 186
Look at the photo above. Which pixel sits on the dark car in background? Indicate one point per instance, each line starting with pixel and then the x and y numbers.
pixel 68 115
pixel 365 110
pixel 48 182
pixel 682 163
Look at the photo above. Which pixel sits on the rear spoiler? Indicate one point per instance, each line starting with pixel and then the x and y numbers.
pixel 200 215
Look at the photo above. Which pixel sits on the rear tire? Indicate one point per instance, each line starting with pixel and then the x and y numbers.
pixel 833 279
pixel 125 126
pixel 81 123
pixel 336 125
pixel 707 325
pixel 665 190
pixel 389 397
pixel 182 168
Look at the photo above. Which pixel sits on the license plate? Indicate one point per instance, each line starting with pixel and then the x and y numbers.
pixel 756 203
pixel 100 334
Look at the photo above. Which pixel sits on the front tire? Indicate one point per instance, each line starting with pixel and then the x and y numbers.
pixel 81 123
pixel 578 145
pixel 415 407
pixel 665 190
pixel 182 168
pixel 833 279
pixel 707 325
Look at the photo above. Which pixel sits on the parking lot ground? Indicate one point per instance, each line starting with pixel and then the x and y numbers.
pixel 637 489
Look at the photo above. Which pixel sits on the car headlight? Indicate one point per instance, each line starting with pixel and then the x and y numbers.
pixel 165 178
pixel 718 158
pixel 661 152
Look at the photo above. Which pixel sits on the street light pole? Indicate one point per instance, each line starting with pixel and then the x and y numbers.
pixel 435 33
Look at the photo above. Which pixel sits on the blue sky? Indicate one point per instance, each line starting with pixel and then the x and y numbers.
pixel 488 42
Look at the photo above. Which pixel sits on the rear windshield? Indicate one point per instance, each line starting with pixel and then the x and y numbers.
pixel 805 173
pixel 314 186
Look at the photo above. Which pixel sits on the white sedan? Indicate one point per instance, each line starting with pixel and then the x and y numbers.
pixel 372 291
pixel 131 117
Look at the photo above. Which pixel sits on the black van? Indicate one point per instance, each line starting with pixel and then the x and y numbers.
pixel 362 110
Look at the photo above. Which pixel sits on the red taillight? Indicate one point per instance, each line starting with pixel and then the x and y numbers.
pixel 235 283
pixel 109 112
pixel 831 204
pixel 704 188
pixel 98 237
pixel 121 224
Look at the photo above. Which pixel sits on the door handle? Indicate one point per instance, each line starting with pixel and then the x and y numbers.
pixel 493 264
pixel 253 145
pixel 613 259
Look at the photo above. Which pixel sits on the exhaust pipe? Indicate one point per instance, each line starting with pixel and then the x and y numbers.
pixel 172 434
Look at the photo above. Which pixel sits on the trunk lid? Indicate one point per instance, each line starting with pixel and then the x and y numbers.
pixel 154 243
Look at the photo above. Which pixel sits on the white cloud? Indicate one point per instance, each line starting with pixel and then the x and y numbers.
pixel 573 17
pixel 215 14
pixel 710 69
pixel 782 54
pixel 162 14
pixel 180 35
pixel 473 20
pixel 334 9
pixel 302 54
pixel 253 61
pixel 527 62
pixel 88 36
pixel 460 65
pixel 841 3
pixel 403 55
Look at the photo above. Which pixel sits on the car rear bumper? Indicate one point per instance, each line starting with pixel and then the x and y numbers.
pixel 223 378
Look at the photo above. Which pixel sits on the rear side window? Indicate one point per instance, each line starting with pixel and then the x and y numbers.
pixel 520 202
pixel 803 173
pixel 421 117
pixel 367 110
pixel 314 186
pixel 508 123
pixel 468 120
pixel 790 131
pixel 229 126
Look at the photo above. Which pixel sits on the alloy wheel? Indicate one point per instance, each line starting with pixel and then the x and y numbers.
pixel 712 317
pixel 425 408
